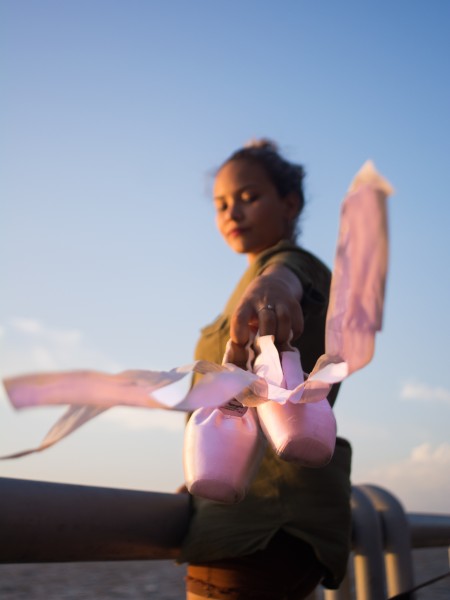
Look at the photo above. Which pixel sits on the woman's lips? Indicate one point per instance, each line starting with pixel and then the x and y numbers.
pixel 237 231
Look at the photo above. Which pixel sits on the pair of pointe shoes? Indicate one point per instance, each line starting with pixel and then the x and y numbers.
pixel 224 446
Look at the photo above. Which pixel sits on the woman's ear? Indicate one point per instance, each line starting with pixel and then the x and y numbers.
pixel 292 205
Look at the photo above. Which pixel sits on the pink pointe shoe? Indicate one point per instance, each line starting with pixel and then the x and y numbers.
pixel 223 448
pixel 303 433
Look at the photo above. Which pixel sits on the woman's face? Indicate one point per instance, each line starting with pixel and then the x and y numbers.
pixel 250 213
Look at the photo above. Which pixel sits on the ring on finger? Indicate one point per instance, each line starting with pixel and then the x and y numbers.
pixel 267 307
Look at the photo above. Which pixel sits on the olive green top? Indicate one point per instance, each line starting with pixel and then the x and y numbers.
pixel 311 504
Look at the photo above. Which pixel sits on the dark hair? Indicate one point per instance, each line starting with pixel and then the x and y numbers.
pixel 286 176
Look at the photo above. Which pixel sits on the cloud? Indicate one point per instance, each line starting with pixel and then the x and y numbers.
pixel 31 326
pixel 424 454
pixel 421 481
pixel 35 328
pixel 29 345
pixel 425 393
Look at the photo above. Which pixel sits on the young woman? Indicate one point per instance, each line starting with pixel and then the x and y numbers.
pixel 292 530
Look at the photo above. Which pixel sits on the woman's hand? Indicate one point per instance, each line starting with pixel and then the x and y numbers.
pixel 270 305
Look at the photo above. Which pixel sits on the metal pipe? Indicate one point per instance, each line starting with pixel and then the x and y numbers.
pixel 396 539
pixel 429 531
pixel 54 522
pixel 368 549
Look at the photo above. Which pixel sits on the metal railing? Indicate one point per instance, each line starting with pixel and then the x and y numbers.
pixel 52 522
pixel 383 540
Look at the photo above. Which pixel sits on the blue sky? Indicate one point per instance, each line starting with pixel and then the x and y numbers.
pixel 115 114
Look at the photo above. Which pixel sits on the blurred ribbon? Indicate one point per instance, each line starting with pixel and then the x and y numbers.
pixel 354 316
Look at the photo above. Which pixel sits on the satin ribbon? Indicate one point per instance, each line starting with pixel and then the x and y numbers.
pixel 354 316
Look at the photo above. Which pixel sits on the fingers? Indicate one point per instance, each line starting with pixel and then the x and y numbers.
pixel 270 305
pixel 288 321
pixel 237 355
pixel 283 324
pixel 297 321
pixel 267 320
pixel 241 323
pixel 283 320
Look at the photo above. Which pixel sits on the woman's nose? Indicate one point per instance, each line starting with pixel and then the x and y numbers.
pixel 235 211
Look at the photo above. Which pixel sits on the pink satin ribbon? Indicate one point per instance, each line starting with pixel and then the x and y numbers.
pixel 354 316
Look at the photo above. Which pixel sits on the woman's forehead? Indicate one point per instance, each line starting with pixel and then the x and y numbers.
pixel 238 174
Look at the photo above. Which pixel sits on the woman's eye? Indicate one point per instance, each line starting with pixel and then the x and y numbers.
pixel 220 206
pixel 249 197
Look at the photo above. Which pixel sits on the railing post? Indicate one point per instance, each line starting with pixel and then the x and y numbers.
pixel 368 549
pixel 396 537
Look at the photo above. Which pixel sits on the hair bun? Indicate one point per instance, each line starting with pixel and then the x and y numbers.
pixel 262 144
